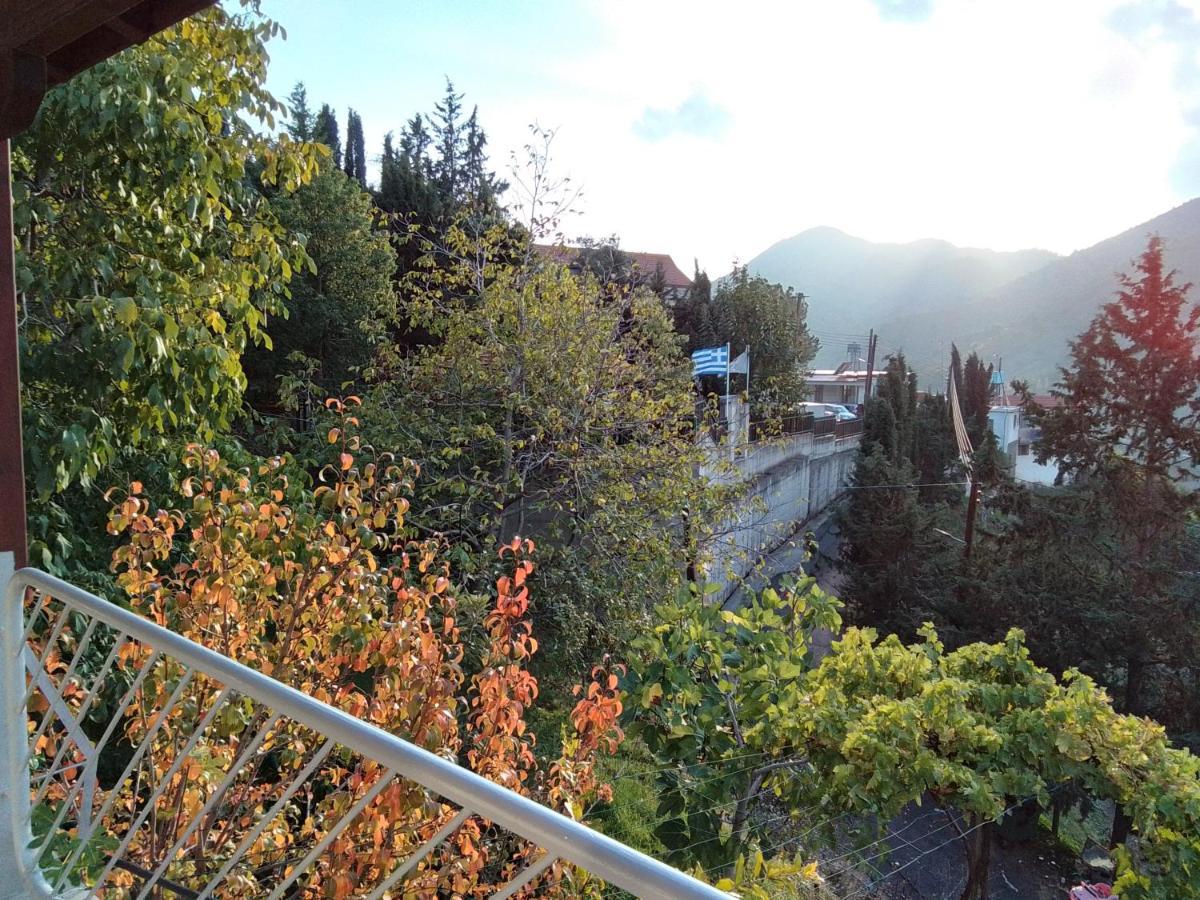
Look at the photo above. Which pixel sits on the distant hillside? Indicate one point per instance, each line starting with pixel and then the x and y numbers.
pixel 1029 320
pixel 853 284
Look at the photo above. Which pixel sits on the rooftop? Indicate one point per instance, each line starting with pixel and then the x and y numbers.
pixel 843 373
pixel 646 264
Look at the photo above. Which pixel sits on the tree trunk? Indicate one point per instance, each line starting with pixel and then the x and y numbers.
pixel 978 841
pixel 1135 679
pixel 1120 828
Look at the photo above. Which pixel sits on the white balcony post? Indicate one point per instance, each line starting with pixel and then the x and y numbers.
pixel 19 877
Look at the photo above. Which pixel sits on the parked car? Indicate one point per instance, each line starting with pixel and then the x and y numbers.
pixel 825 410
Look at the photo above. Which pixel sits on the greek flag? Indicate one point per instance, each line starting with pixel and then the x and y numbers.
pixel 710 361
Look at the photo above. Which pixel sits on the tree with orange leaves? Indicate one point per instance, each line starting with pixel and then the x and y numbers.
pixel 322 590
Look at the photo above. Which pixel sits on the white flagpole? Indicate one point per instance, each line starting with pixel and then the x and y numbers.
pixel 727 370
pixel 747 374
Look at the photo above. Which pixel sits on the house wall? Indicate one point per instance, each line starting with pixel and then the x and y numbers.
pixel 849 394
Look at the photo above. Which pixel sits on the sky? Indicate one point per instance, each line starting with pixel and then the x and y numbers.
pixel 711 130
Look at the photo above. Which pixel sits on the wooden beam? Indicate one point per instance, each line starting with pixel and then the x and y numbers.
pixel 13 538
pixel 22 85
pixel 44 27
pixel 45 42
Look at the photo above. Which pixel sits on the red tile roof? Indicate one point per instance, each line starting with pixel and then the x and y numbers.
pixel 646 264
pixel 1046 401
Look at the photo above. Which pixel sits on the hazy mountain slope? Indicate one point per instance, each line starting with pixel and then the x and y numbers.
pixel 1029 321
pixel 853 284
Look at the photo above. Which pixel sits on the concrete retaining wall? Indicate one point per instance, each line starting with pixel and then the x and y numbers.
pixel 787 481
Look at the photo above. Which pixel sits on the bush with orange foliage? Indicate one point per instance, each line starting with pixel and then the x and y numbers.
pixel 323 590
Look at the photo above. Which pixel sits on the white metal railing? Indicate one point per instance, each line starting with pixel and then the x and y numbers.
pixel 65 651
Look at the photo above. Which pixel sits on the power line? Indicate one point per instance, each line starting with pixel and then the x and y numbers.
pixel 959 836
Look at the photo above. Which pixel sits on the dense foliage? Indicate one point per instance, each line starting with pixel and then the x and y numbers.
pixel 549 404
pixel 717 694
pixel 321 589
pixel 148 260
pixel 905 490
pixel 878 725
pixel 747 311
pixel 982 729
pixel 340 312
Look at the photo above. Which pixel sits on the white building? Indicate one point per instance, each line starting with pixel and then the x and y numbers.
pixel 843 385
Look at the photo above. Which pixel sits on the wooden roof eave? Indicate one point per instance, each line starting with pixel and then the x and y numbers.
pixel 45 42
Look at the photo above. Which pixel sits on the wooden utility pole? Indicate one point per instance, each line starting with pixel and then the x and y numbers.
pixel 12 465
pixel 872 339
pixel 972 508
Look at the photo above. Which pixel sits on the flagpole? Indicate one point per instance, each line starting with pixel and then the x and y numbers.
pixel 747 374
pixel 727 369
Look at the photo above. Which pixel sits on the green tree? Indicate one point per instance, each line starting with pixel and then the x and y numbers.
pixel 748 311
pixel 896 564
pixel 450 140
pixel 691 313
pixel 355 160
pixel 143 280
pixel 898 389
pixel 974 394
pixel 936 451
pixel 325 131
pixel 879 725
pixel 714 688
pixel 1133 387
pixel 1067 568
pixel 300 124
pixel 436 176
pixel 543 407
pixel 1129 425
pixel 983 729
pixel 342 310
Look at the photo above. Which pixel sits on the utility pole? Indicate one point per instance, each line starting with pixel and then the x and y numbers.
pixel 872 340
pixel 972 508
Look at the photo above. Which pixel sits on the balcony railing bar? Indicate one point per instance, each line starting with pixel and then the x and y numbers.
pixel 174 663
pixel 82 784
pixel 269 817
pixel 313 855
pixel 531 872
pixel 51 642
pixel 164 782
pixel 106 807
pixel 92 693
pixel 422 852
pixel 230 776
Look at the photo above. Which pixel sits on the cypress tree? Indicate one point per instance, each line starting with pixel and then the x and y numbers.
pixel 390 193
pixel 355 160
pixel 325 131
pixel 975 398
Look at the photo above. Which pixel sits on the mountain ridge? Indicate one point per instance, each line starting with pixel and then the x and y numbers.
pixel 920 296
pixel 853 283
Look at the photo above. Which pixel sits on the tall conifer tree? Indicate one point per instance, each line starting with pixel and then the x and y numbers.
pixel 355 162
pixel 300 117
pixel 325 131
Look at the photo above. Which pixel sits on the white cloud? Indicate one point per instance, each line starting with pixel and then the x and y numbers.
pixel 712 129
pixel 696 116
pixel 1004 124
